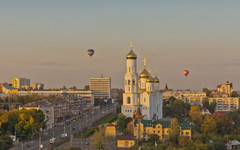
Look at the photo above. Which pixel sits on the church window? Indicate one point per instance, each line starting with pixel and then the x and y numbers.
pixel 129 100
pixel 129 82
pixel 133 82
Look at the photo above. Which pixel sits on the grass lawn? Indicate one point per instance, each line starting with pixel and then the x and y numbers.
pixel 87 133
pixel 109 119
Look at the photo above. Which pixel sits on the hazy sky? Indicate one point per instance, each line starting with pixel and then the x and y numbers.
pixel 47 40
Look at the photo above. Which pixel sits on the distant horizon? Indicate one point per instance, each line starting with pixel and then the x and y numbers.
pixel 47 41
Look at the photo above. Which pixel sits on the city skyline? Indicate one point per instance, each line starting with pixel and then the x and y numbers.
pixel 48 41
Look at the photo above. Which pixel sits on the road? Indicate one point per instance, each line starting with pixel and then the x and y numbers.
pixel 73 127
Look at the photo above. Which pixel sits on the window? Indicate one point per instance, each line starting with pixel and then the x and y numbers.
pixel 128 100
pixel 187 133
pixel 129 82
pixel 158 131
pixel 126 143
pixel 129 69
pixel 133 82
pixel 144 99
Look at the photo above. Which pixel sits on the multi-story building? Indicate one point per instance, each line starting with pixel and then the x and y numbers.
pixel 87 96
pixel 224 103
pixel 141 89
pixel 191 97
pixel 58 109
pixel 20 82
pixel 37 86
pixel 101 87
pixel 142 129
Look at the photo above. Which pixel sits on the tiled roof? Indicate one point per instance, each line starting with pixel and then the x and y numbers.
pixel 165 124
pixel 126 137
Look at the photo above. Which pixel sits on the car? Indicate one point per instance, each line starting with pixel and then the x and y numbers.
pixel 52 140
pixel 63 136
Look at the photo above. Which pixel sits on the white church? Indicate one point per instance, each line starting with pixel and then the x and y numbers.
pixel 141 89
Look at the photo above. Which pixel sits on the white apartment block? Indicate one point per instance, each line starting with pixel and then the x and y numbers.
pixel 225 103
pixel 191 97
pixel 101 87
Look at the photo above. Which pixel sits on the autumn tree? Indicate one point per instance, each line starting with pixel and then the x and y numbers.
pixel 224 123
pixel 184 141
pixel 209 126
pixel 174 131
pixel 98 139
pixel 195 114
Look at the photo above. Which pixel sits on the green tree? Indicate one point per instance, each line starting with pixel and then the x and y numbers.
pixel 86 87
pixel 122 122
pixel 174 131
pixel 153 138
pixel 207 91
pixel 234 94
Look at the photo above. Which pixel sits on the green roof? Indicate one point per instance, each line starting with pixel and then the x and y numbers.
pixel 165 124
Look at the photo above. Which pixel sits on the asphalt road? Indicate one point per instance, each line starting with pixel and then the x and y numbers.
pixel 73 127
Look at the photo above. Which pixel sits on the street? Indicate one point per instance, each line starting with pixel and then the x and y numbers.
pixel 75 126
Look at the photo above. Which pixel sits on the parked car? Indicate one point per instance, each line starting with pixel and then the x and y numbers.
pixel 52 140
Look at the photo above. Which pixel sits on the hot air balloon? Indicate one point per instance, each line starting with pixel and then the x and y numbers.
pixel 185 72
pixel 90 52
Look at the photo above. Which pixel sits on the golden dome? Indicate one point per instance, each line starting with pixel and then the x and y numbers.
pixel 150 79
pixel 144 74
pixel 131 55
pixel 156 80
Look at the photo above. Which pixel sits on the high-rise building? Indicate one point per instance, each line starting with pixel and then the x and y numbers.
pixel 141 89
pixel 37 86
pixel 20 82
pixel 101 87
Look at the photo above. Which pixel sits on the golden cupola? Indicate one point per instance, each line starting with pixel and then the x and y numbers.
pixel 156 80
pixel 150 79
pixel 144 74
pixel 131 54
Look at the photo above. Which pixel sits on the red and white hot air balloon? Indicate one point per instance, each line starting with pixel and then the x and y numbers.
pixel 185 72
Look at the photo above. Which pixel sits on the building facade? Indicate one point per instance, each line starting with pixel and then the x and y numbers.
pixel 20 82
pixel 37 86
pixel 101 87
pixel 142 129
pixel 224 103
pixel 141 89
pixel 225 88
pixel 191 97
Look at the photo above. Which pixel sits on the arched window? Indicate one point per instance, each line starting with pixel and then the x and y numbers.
pixel 128 100
pixel 129 82
pixel 133 82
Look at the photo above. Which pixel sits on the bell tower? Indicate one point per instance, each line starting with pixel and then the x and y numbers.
pixel 131 85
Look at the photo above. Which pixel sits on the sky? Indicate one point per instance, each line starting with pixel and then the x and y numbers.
pixel 47 41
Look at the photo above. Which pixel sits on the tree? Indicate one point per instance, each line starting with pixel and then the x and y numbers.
pixel 195 113
pixel 86 87
pixel 224 123
pixel 207 91
pixel 209 126
pixel 184 141
pixel 234 94
pixel 121 122
pixel 174 131
pixel 98 140
pixel 64 87
pixel 211 107
pixel 153 138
